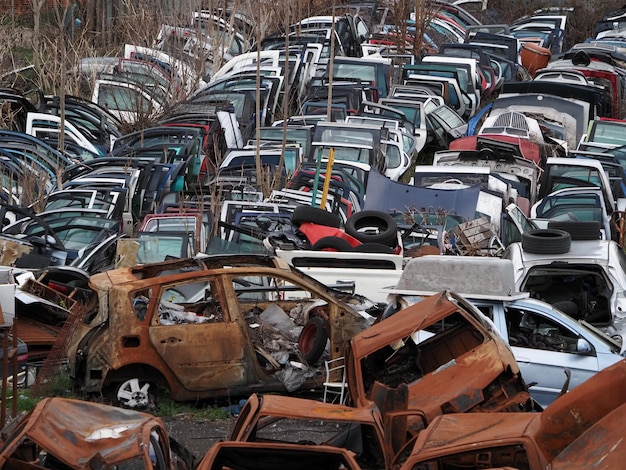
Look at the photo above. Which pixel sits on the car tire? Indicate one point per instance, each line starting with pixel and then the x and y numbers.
pixel 546 241
pixel 313 339
pixel 578 230
pixel 385 225
pixel 332 244
pixel 372 248
pixel 315 215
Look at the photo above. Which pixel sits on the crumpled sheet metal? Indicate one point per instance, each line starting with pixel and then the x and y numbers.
pixel 448 373
pixel 75 432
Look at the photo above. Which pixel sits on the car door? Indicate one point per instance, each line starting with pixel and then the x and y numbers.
pixel 544 348
pixel 201 342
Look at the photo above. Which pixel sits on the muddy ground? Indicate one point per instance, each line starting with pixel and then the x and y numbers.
pixel 197 435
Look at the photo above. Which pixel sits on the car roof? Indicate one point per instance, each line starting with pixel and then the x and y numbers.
pixel 427 275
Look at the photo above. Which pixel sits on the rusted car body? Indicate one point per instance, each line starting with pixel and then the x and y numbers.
pixel 272 418
pixel 74 434
pixel 581 429
pixel 438 356
pixel 231 455
pixel 195 327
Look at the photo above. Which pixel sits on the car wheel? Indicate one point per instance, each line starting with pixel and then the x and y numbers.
pixel 332 244
pixel 134 394
pixel 313 339
pixel 315 215
pixel 546 241
pixel 373 227
pixel 578 230
pixel 373 248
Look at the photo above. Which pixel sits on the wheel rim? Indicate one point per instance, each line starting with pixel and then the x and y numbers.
pixel 306 340
pixel 132 395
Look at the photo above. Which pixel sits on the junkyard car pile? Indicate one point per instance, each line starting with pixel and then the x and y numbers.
pixel 260 230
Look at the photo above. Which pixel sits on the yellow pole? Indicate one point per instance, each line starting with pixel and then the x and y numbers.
pixel 329 170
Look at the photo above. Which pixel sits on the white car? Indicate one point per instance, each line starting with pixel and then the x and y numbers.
pixel 586 278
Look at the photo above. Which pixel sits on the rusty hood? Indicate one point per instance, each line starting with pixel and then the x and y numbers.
pixel 454 431
pixel 75 432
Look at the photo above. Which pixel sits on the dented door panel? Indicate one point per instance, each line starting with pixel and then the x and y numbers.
pixel 202 356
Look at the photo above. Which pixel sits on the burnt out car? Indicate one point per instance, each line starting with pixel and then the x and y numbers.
pixel 439 356
pixel 74 434
pixel 271 419
pixel 582 429
pixel 211 327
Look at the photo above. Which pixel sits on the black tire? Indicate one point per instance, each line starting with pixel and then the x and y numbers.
pixel 373 248
pixel 332 243
pixel 313 339
pixel 315 215
pixel 546 241
pixel 578 230
pixel 386 228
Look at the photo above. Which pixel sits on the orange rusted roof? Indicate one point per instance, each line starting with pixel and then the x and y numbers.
pixel 75 431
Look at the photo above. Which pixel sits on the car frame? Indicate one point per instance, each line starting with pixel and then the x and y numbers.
pixel 139 335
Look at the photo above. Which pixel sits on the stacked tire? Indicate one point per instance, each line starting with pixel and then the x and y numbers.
pixel 373 227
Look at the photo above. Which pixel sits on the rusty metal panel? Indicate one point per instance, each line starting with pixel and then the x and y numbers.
pixel 231 454
pixel 10 251
pixel 204 356
pixel 456 368
pixel 570 415
pixel 78 434
pixel 601 446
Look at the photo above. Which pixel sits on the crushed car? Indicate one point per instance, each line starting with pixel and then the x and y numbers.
pixel 577 431
pixel 74 434
pixel 209 327
pixel 271 418
pixel 439 356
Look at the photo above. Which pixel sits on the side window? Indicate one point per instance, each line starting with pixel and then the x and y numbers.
pixel 487 310
pixel 362 29
pixel 268 289
pixel 190 302
pixel 140 301
pixel 530 330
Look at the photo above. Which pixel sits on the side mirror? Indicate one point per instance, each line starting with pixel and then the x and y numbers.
pixel 38 242
pixel 583 346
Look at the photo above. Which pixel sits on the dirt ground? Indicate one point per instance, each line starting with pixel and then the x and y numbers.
pixel 197 435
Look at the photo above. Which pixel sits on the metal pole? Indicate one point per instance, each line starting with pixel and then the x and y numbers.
pixel 329 171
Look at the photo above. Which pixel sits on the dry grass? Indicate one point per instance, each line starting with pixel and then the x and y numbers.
pixel 38 38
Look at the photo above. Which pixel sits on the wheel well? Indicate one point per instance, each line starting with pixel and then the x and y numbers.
pixel 140 371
